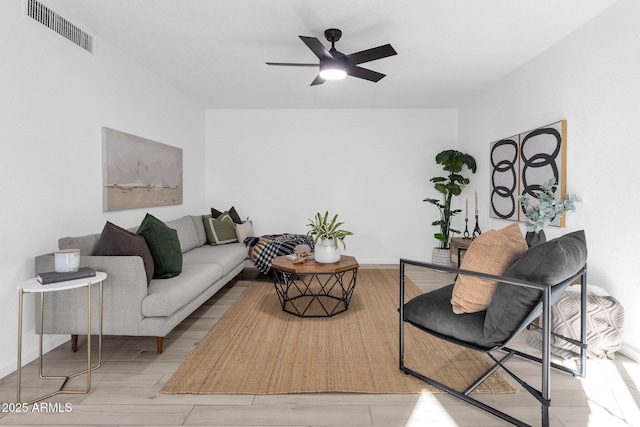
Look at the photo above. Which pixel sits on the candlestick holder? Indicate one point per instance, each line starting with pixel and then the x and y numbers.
pixel 476 230
pixel 465 235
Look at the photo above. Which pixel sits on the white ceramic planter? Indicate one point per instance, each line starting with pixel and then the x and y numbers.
pixel 441 257
pixel 326 253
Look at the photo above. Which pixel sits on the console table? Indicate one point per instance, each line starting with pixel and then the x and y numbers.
pixel 33 286
pixel 314 289
pixel 459 245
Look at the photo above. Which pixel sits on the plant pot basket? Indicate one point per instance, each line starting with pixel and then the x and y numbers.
pixel 441 257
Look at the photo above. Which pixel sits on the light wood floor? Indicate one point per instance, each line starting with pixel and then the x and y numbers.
pixel 126 389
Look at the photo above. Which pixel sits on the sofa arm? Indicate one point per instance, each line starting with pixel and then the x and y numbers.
pixel 65 312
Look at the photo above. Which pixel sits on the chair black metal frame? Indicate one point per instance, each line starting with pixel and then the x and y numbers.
pixel 542 309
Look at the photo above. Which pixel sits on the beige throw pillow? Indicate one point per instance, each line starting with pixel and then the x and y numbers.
pixel 244 230
pixel 492 253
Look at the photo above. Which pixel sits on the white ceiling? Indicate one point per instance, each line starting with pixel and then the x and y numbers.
pixel 215 51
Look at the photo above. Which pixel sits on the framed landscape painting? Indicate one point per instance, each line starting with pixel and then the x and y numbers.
pixel 138 172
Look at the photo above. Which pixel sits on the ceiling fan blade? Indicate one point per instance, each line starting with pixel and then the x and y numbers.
pixel 364 73
pixel 316 47
pixel 318 81
pixel 291 64
pixel 372 54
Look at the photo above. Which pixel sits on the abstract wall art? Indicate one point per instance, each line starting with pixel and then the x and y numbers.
pixel 504 178
pixel 520 164
pixel 138 172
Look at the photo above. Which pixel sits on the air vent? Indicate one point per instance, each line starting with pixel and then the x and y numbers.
pixel 60 25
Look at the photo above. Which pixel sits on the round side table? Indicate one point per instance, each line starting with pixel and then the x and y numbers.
pixel 33 286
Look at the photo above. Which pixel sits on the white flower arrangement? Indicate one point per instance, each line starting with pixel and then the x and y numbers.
pixel 540 215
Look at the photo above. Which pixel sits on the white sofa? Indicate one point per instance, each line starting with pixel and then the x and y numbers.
pixel 130 306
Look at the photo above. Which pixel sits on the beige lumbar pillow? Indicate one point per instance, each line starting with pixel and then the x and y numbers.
pixel 492 253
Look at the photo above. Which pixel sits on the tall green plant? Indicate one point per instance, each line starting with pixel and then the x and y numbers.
pixel 452 161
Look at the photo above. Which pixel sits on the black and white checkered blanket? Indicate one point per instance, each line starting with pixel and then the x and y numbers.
pixel 264 249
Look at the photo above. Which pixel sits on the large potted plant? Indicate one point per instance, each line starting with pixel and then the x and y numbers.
pixel 448 186
pixel 328 234
pixel 541 214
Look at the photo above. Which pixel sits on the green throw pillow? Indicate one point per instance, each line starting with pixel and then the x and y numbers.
pixel 164 246
pixel 220 230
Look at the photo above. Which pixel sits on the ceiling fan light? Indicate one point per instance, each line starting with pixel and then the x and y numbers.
pixel 333 72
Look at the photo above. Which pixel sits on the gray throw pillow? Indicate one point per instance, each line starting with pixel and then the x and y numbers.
pixel 164 246
pixel 547 263
pixel 116 241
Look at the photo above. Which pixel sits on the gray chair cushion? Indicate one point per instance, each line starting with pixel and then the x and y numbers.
pixel 432 311
pixel 547 263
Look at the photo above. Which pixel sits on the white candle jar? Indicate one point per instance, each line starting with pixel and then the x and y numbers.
pixel 67 260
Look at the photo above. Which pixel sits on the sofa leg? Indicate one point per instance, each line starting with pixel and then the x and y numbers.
pixel 160 344
pixel 74 343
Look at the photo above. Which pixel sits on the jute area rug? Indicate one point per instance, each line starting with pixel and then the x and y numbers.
pixel 256 348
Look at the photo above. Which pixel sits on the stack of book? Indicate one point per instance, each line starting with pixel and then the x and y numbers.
pixel 54 277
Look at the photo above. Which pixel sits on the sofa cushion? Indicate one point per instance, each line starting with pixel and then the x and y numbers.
pixel 164 246
pixel 116 241
pixel 220 230
pixel 84 243
pixel 187 233
pixel 165 297
pixel 226 256
pixel 491 252
pixel 200 232
pixel 433 312
pixel 547 263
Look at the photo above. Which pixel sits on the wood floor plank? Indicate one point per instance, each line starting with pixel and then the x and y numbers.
pixel 85 415
pixel 152 396
pixel 281 415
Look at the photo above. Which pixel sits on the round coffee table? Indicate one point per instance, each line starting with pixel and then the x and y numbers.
pixel 313 289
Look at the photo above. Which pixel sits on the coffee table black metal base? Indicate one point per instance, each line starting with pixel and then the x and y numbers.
pixel 315 290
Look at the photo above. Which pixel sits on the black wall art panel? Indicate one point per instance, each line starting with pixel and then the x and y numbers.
pixel 522 163
pixel 505 171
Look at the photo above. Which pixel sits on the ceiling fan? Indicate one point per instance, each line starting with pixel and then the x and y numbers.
pixel 336 65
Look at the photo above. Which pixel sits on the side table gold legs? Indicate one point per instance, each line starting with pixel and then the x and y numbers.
pixel 19 369
pixel 64 379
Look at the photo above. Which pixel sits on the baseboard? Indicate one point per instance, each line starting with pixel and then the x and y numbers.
pixel 384 263
pixel 630 351
pixel 32 355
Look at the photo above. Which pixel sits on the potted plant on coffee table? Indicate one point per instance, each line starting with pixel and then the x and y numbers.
pixel 328 233
pixel 448 186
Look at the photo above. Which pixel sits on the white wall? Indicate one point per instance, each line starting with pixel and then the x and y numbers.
pixel 592 79
pixel 54 98
pixel 372 167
